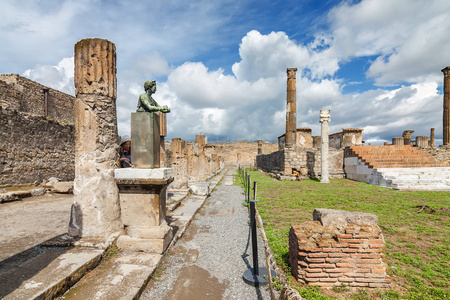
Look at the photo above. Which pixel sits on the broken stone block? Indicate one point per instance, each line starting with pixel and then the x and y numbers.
pixel 341 218
pixel 200 188
pixel 38 191
pixel 63 187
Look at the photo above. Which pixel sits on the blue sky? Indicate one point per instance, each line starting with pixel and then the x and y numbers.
pixel 221 65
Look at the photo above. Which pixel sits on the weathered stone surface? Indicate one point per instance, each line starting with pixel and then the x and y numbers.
pixel 133 244
pixel 341 218
pixel 63 187
pixel 446 110
pixel 159 173
pixel 200 188
pixel 38 191
pixel 96 142
pixel 9 196
pixel 95 68
pixel 324 119
pixel 291 108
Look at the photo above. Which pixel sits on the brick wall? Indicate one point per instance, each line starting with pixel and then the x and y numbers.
pixel 33 148
pixel 25 95
pixel 327 256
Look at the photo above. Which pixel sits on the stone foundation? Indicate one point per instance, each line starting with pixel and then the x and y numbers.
pixel 341 253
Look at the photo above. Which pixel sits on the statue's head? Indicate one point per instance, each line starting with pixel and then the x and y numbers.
pixel 149 84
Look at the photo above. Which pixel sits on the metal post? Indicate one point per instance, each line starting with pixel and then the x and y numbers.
pixel 254 238
pixel 254 190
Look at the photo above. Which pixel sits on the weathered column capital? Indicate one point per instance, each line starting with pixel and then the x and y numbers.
pixel 325 116
pixel 446 71
pixel 95 67
pixel 291 72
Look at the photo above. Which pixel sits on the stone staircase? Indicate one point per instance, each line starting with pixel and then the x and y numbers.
pixel 400 167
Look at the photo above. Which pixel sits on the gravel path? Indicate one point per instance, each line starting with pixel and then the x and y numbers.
pixel 209 260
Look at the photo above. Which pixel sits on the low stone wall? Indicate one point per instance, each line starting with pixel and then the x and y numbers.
pixel 339 248
pixel 441 153
pixel 271 162
pixel 33 148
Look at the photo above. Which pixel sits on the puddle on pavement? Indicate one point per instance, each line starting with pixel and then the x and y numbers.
pixel 195 283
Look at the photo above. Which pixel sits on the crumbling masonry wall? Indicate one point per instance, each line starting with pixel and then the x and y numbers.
pixel 33 149
pixel 25 95
pixel 331 256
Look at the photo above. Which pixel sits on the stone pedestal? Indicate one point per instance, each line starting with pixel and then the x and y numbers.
pixel 422 142
pixel 143 196
pixel 324 119
pixel 145 140
pixel 398 141
pixel 407 137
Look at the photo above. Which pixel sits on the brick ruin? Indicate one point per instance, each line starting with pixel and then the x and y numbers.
pixel 339 248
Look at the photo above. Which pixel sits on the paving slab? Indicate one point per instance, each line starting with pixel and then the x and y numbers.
pixel 46 274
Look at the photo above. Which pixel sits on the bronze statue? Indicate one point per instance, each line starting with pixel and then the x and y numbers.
pixel 147 103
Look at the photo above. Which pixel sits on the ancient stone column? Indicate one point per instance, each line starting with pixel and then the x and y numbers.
pixel 398 141
pixel 96 139
pixel 422 142
pixel 446 117
pixel 260 145
pixel 407 137
pixel 291 108
pixel 432 141
pixel 324 119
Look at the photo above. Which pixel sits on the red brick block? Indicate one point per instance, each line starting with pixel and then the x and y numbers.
pixel 361 270
pixel 353 275
pixel 368 266
pixel 326 266
pixel 312 279
pixel 351 241
pixel 379 271
pixel 356 246
pixel 350 250
pixel 358 284
pixel 323 245
pixel 346 279
pixel 310 249
pixel 302 254
pixel 374 275
pixel 316 275
pixel 345 265
pixel 317 255
pixel 315 260
pixel 373 280
pixel 328 250
pixel 335 275
pixel 376 246
pixel 313 270
pixel 328 280
pixel 369 250
pixel 344 245
pixel 338 255
pixel 344 236
pixel 338 270
pixel 303 264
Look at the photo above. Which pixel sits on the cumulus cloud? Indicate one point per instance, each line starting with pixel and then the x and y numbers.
pixel 59 77
pixel 408 37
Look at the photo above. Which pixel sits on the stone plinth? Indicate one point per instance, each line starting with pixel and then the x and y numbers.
pixel 145 140
pixel 291 108
pixel 432 140
pixel 143 196
pixel 96 139
pixel 324 119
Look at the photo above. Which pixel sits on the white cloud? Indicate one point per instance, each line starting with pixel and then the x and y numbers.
pixel 408 37
pixel 59 77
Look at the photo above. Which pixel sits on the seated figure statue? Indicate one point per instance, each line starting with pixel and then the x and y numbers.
pixel 147 103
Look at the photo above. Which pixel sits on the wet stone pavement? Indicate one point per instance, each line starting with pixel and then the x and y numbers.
pixel 209 260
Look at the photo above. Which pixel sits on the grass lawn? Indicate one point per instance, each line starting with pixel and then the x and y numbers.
pixel 417 243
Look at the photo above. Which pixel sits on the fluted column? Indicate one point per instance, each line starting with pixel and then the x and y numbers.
pixel 96 139
pixel 446 117
pixel 291 108
pixel 324 119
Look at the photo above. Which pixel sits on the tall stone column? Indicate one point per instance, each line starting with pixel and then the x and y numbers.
pixel 446 117
pixel 291 108
pixel 324 119
pixel 432 140
pixel 407 137
pixel 260 145
pixel 96 139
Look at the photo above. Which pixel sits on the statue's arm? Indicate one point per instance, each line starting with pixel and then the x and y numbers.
pixel 147 105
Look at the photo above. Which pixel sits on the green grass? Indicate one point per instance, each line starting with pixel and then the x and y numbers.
pixel 417 244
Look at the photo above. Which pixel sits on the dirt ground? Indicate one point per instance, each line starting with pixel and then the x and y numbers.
pixel 31 221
